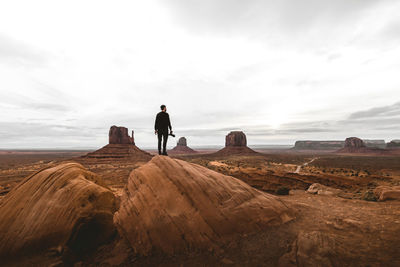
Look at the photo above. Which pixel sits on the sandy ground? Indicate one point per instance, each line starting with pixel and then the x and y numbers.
pixel 347 222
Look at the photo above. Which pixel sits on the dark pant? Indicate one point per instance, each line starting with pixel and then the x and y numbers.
pixel 162 135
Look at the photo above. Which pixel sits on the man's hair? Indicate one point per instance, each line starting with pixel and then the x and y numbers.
pixel 162 107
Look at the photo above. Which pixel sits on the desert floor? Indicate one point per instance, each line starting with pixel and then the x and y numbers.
pixel 350 219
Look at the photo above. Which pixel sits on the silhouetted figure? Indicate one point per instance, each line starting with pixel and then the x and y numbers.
pixel 161 129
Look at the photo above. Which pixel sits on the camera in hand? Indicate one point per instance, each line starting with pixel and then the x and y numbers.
pixel 171 134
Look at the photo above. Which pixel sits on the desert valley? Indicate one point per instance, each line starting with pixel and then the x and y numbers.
pixel 320 203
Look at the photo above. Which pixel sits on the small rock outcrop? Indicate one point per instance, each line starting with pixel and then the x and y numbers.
pixel 320 189
pixel 121 146
pixel 235 144
pixel 313 248
pixel 119 135
pixel 170 206
pixel 384 193
pixel 182 148
pixel 60 207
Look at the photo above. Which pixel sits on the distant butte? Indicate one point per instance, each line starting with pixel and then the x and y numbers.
pixel 182 147
pixel 357 145
pixel 318 145
pixel 394 144
pixel 334 144
pixel 121 146
pixel 235 144
pixel 119 135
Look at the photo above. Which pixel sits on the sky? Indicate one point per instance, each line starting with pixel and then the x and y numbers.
pixel 280 71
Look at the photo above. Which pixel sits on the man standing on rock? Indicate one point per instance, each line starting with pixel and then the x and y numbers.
pixel 161 129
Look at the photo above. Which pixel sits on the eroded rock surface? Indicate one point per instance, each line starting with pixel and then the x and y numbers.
pixel 320 189
pixel 172 205
pixel 384 193
pixel 60 207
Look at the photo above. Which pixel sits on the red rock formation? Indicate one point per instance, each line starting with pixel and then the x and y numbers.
pixel 182 148
pixel 353 143
pixel 320 189
pixel 356 145
pixel 172 205
pixel 182 142
pixel 236 138
pixel 119 135
pixel 235 144
pixel 121 146
pixel 384 193
pixel 65 206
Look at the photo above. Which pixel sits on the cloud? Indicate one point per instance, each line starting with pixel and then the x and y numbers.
pixel 33 103
pixel 11 130
pixel 46 135
pixel 385 111
pixel 372 123
pixel 259 17
pixel 278 70
pixel 47 106
pixel 17 53
pixel 390 31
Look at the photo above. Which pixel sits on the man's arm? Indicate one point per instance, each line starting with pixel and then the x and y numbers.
pixel 156 123
pixel 169 123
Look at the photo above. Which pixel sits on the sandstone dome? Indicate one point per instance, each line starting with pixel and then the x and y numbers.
pixel 171 205
pixel 63 206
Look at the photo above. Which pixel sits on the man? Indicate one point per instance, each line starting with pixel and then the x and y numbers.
pixel 161 129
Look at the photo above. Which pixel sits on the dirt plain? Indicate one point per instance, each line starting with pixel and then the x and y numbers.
pixel 349 220
pixel 354 174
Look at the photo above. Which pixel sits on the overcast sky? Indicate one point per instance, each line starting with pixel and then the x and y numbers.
pixel 281 70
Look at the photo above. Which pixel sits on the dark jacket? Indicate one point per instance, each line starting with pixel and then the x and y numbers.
pixel 162 122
